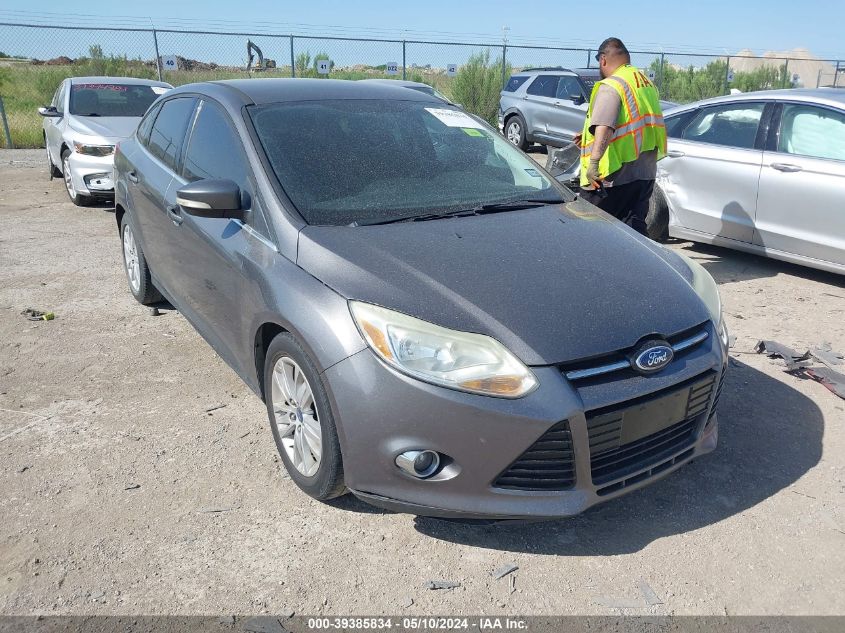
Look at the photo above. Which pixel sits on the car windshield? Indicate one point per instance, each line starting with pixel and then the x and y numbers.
pixel 112 99
pixel 363 161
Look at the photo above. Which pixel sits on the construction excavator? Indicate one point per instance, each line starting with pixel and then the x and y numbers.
pixel 253 51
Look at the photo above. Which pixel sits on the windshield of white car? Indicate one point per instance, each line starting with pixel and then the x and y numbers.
pixel 110 99
pixel 348 162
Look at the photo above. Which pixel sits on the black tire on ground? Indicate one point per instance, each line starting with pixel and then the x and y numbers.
pixel 515 131
pixel 52 170
pixel 146 293
pixel 328 482
pixel 657 219
pixel 76 198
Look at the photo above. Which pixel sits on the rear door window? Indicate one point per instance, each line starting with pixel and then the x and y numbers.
pixel 569 87
pixel 515 82
pixel 808 130
pixel 146 126
pixel 168 131
pixel 733 125
pixel 544 86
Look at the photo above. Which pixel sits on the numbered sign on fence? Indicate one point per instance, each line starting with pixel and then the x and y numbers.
pixel 392 68
pixel 169 62
pixel 323 66
pixel 730 76
pixel 451 69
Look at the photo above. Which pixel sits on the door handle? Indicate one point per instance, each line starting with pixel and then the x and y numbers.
pixel 132 176
pixel 674 153
pixel 786 167
pixel 175 215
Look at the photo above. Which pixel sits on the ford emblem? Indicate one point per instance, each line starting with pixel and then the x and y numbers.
pixel 652 356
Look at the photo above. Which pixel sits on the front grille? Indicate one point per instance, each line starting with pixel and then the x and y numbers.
pixel 547 465
pixel 611 459
pixel 618 365
pixel 625 460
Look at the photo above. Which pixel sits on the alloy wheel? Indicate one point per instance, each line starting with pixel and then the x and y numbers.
pixel 514 132
pixel 296 417
pixel 130 256
pixel 68 179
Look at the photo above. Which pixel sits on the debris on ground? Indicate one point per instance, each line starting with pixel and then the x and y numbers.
pixel 155 311
pixel 38 315
pixel 132 487
pixel 409 602
pixel 215 407
pixel 650 596
pixel 217 510
pixel 504 570
pixel 442 584
pixel 513 584
pixel 805 365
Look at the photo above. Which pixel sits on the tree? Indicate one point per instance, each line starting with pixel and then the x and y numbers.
pixel 302 63
pixel 478 85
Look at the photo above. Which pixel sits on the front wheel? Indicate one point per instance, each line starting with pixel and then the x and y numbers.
pixel 515 132
pixel 77 198
pixel 301 419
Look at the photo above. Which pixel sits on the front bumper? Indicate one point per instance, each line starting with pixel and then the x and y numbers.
pixel 92 175
pixel 381 413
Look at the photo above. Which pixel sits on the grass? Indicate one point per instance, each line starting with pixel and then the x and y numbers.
pixel 25 87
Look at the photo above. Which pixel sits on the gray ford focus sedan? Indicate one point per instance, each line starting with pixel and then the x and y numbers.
pixel 434 323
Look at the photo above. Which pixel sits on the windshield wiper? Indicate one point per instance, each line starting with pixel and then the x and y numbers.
pixel 481 209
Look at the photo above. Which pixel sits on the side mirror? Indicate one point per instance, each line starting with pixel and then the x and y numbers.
pixel 577 99
pixel 50 112
pixel 211 198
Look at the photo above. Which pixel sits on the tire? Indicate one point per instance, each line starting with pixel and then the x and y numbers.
pixel 54 171
pixel 287 363
pixel 135 265
pixel 76 198
pixel 515 131
pixel 657 219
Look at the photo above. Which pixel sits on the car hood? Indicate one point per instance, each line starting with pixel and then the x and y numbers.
pixel 108 127
pixel 553 284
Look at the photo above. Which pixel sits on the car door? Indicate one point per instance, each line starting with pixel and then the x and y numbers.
pixel 801 206
pixel 153 169
pixel 712 169
pixel 54 126
pixel 213 276
pixel 538 104
pixel 570 109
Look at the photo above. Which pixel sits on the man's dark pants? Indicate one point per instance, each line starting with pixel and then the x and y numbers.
pixel 628 202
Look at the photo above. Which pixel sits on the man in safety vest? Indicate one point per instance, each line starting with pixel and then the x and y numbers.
pixel 623 138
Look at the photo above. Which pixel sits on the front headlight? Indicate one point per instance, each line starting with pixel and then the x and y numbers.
pixel 458 360
pixel 93 150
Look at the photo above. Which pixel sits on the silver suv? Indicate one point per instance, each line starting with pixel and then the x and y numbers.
pixel 543 105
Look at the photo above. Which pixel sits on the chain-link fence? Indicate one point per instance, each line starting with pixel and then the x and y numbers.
pixel 35 58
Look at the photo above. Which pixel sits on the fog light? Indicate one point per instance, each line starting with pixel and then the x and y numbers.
pixel 420 464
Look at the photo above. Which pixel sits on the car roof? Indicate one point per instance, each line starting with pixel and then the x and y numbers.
pixel 546 70
pixel 828 96
pixel 397 82
pixel 127 81
pixel 260 91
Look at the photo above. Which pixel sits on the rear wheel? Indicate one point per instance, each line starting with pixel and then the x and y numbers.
pixel 77 198
pixel 657 219
pixel 135 264
pixel 301 419
pixel 515 131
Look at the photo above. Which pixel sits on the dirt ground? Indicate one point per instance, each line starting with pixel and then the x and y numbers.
pixel 124 493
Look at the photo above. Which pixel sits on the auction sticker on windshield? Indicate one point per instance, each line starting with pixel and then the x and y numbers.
pixel 454 118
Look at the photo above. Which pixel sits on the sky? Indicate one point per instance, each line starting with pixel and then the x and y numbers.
pixel 717 26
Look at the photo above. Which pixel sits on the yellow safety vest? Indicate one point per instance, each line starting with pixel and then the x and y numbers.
pixel 639 127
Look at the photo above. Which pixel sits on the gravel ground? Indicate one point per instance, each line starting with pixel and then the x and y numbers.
pixel 123 493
